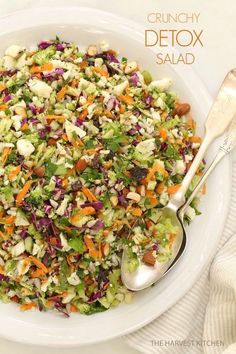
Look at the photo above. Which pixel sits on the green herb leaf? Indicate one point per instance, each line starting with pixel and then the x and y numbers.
pixel 77 244
pixel 91 174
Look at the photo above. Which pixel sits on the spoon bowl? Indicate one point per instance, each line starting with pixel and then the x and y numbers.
pixel 145 275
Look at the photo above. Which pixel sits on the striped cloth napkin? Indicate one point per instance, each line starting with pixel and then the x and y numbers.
pixel 204 320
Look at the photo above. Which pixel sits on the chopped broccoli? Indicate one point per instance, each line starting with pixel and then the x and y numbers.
pixel 44 55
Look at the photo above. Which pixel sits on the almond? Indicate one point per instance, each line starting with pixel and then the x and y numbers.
pixel 21 111
pixel 134 196
pixel 52 141
pixel 106 249
pixel 148 258
pixel 81 165
pixel 39 171
pixel 114 200
pixel 92 50
pixel 182 109
pixel 130 67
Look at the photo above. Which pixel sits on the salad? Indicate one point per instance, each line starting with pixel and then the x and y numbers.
pixel 91 147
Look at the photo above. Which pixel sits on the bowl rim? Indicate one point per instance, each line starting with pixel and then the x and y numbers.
pixel 11 26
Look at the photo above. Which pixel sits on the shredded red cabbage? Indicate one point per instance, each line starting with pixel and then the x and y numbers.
pixel 134 79
pixel 44 44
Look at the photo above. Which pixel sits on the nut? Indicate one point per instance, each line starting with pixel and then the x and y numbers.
pixel 130 67
pixel 142 190
pixel 114 200
pixel 133 196
pixel 92 50
pixel 52 141
pixel 21 111
pixel 182 109
pixel 81 165
pixel 106 249
pixel 39 171
pixel 148 258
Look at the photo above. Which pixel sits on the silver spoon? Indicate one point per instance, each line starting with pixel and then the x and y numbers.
pixel 219 117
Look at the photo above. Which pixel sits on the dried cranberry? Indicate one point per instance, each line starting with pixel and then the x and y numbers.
pixel 138 173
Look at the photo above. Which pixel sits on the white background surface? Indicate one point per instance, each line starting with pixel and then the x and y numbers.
pixel 217 19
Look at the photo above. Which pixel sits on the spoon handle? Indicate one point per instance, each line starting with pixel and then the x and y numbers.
pixel 227 146
pixel 219 117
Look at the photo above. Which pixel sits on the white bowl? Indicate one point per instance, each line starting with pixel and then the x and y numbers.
pixel 86 26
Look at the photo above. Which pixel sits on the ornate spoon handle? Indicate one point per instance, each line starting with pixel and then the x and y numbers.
pixel 226 147
pixel 219 117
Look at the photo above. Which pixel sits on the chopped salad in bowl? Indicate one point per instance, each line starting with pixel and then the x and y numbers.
pixel 91 149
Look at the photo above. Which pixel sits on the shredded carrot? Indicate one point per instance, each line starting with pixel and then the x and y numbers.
pixel 195 139
pixel 54 116
pixel 160 187
pixel 83 64
pixel 163 134
pixel 38 263
pixel 93 252
pixel 1 270
pixel 25 127
pixel 8 220
pixel 75 218
pixel 36 69
pixel 173 189
pixel 108 114
pixel 152 197
pixel 27 307
pixel 65 183
pixel 21 195
pixel 107 165
pixel 89 242
pixel 83 114
pixel 61 93
pixel 6 153
pixel 90 99
pixel 73 308
pixel 90 151
pixel 156 168
pixel 47 67
pixel 100 71
pixel 122 108
pixel 126 99
pixel 38 273
pixel 88 211
pixel 2 86
pixel 64 137
pixel 164 115
pixel 136 211
pixel 89 195
pixel 70 172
